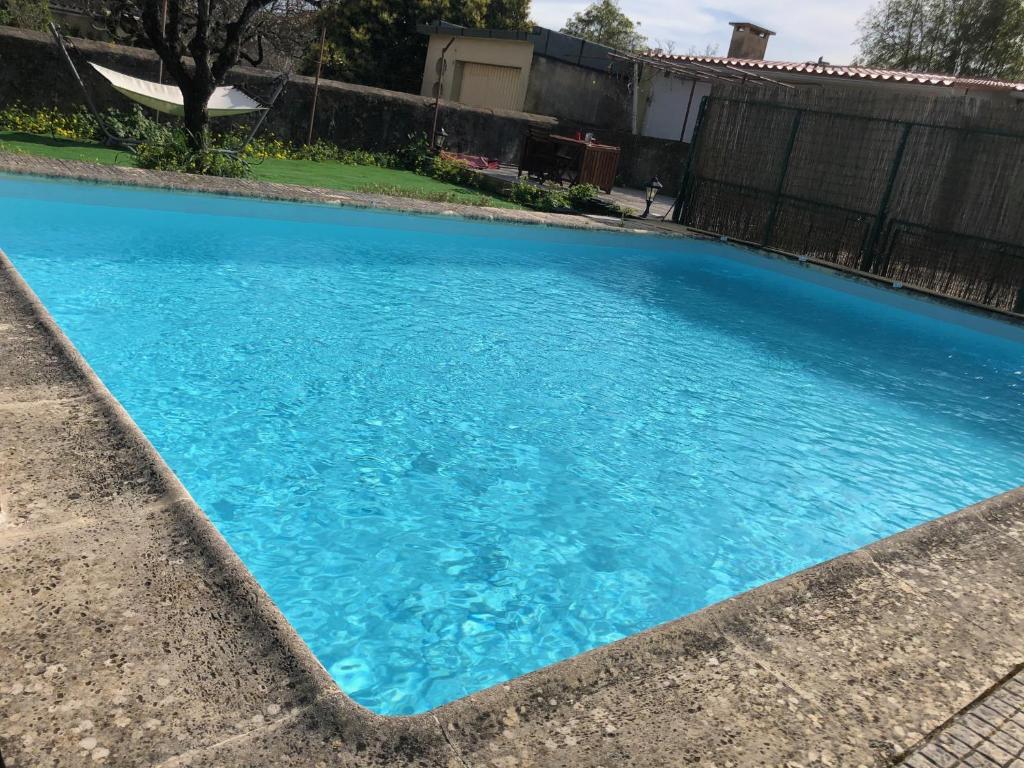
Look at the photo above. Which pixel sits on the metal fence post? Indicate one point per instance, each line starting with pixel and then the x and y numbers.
pixel 681 198
pixel 770 225
pixel 867 255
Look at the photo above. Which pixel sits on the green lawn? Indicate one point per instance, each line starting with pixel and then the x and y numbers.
pixel 62 149
pixel 328 174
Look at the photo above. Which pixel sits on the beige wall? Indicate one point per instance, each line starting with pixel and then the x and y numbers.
pixel 484 72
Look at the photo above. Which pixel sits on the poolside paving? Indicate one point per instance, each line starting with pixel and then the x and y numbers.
pixel 989 734
pixel 131 634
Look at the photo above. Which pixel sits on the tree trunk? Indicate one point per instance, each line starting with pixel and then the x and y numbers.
pixel 197 119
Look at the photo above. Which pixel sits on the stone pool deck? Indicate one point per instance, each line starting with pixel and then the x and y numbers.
pixel 989 734
pixel 131 635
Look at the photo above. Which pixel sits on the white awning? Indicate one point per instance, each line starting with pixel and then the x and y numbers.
pixel 225 101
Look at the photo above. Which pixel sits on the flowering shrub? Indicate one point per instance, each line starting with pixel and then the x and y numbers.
pixel 49 121
pixel 260 148
pixel 453 171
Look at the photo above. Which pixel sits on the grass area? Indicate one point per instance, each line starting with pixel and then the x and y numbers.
pixel 370 178
pixel 328 174
pixel 62 149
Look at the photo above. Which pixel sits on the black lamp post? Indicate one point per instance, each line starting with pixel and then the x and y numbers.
pixel 439 139
pixel 652 189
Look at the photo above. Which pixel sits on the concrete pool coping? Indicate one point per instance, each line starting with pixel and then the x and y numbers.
pixel 53 168
pixel 133 635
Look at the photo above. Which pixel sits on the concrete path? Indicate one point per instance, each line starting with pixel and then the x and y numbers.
pixel 131 634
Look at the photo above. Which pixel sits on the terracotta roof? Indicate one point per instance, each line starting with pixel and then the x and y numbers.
pixel 851 73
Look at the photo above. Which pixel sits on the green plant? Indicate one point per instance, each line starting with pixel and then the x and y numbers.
pixel 415 156
pixel 318 151
pixel 175 153
pixel 437 197
pixel 78 124
pixel 324 151
pixel 365 157
pixel 581 195
pixel 453 171
pixel 134 124
pixel 524 193
pixel 259 148
pixel 556 200
pixel 28 14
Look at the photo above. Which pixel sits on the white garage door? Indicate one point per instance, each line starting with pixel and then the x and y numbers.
pixel 488 85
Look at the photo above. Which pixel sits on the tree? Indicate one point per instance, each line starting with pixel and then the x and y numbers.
pixel 604 22
pixel 508 14
pixel 375 42
pixel 28 14
pixel 966 38
pixel 281 31
pixel 710 49
pixel 214 34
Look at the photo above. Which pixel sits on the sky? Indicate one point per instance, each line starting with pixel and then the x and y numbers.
pixel 804 29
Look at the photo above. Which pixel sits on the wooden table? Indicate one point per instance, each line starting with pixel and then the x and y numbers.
pixel 585 163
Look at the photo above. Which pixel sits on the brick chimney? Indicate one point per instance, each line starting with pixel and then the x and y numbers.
pixel 749 41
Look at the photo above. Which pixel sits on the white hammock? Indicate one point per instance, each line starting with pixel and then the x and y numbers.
pixel 226 100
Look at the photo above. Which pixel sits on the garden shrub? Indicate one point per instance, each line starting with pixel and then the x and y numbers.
pixel 49 121
pixel 453 172
pixel 134 124
pixel 174 153
pixel 260 148
pixel 580 195
pixel 416 155
pixel 321 151
pixel 524 193
pixel 27 14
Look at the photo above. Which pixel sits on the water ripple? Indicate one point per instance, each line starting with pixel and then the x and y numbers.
pixel 455 452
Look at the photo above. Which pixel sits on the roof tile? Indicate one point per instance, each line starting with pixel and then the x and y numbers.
pixel 847 72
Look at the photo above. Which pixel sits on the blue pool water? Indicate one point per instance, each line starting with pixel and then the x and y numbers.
pixel 453 452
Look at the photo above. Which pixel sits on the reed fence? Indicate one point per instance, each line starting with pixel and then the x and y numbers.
pixel 921 191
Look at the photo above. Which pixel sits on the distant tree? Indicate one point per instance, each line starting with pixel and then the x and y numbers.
pixel 958 37
pixel 711 49
pixel 508 14
pixel 27 14
pixel 374 42
pixel 604 22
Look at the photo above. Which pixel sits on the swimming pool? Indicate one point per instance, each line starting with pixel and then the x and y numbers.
pixel 453 452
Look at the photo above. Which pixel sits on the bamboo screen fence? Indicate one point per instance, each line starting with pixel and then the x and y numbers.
pixel 923 191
